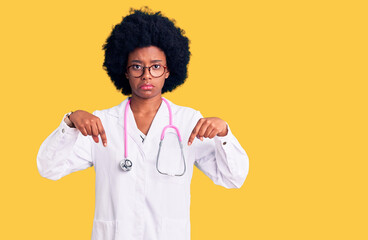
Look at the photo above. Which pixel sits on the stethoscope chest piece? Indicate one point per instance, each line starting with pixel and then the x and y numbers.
pixel 126 165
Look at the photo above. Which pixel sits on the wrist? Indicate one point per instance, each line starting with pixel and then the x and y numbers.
pixel 68 121
pixel 224 132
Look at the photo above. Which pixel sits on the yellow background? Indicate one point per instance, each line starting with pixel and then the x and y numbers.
pixel 290 78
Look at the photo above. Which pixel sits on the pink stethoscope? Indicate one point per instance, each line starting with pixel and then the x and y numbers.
pixel 126 164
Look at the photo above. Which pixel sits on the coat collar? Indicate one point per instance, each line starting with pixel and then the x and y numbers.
pixel 160 120
pixel 118 110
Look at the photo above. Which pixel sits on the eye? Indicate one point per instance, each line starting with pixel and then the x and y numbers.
pixel 136 67
pixel 156 66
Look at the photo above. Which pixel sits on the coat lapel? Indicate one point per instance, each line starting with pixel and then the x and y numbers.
pixel 160 120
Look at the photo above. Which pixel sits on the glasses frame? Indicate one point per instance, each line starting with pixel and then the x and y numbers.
pixel 149 70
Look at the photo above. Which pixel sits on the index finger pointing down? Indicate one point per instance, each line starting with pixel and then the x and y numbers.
pixel 102 133
pixel 195 131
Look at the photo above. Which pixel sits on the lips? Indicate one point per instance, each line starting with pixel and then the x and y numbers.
pixel 146 87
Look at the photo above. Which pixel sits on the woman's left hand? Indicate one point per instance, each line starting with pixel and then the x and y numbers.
pixel 208 128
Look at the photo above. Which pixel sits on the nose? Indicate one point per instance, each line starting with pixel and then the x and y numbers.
pixel 146 74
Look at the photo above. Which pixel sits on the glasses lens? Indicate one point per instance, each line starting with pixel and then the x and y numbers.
pixel 135 70
pixel 157 70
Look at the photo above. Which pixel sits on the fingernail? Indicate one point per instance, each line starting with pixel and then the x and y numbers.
pixel 189 143
pixel 105 144
pixel 201 138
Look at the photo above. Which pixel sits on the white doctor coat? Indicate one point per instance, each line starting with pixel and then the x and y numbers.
pixel 141 204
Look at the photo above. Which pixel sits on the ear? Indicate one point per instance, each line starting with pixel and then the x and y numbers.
pixel 167 74
pixel 126 75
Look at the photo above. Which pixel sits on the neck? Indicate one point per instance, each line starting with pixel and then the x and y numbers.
pixel 145 106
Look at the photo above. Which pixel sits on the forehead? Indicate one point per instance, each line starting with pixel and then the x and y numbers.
pixel 147 54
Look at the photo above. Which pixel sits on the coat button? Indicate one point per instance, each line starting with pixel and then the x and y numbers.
pixel 224 143
pixel 63 130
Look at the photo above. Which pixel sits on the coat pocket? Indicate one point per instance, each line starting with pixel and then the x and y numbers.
pixel 104 230
pixel 175 228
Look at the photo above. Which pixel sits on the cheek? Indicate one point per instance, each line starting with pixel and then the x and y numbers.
pixel 132 82
pixel 162 82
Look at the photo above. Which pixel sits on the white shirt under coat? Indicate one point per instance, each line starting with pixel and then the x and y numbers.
pixel 141 204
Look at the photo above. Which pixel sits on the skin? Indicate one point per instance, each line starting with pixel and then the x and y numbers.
pixel 145 103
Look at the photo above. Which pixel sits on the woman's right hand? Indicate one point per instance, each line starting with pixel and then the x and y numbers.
pixel 88 124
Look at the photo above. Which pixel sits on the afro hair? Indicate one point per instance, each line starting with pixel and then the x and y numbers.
pixel 143 28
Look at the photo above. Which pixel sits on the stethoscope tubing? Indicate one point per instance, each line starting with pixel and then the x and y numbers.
pixel 126 164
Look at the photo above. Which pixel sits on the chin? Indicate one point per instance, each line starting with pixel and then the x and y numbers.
pixel 147 94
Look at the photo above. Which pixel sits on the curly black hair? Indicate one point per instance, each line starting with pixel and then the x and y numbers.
pixel 143 28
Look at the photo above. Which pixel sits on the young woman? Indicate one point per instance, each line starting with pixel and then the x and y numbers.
pixel 149 145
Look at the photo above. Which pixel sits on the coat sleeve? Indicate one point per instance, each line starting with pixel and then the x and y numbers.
pixel 64 151
pixel 222 159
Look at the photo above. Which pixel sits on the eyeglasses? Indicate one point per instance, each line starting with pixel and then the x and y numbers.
pixel 155 70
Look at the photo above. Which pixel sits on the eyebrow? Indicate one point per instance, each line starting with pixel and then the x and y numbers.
pixel 152 61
